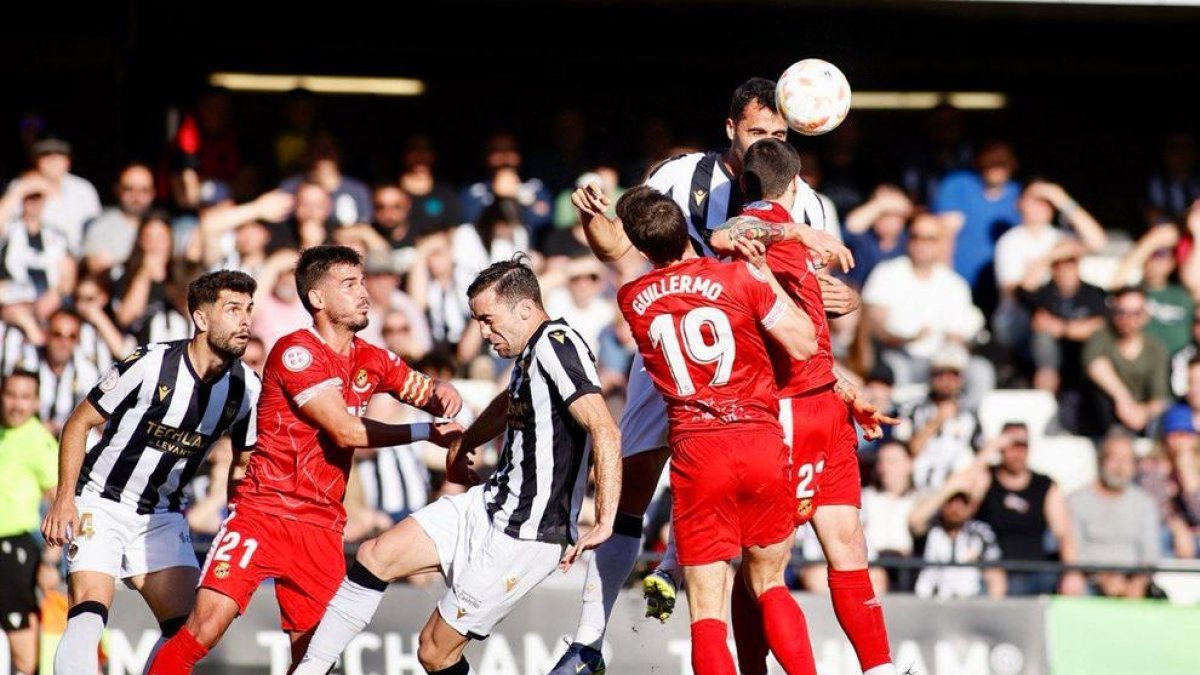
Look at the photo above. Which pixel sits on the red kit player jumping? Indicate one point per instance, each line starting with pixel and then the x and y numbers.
pixel 287 513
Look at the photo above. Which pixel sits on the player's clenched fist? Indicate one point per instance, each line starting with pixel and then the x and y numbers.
pixel 445 400
pixel 59 526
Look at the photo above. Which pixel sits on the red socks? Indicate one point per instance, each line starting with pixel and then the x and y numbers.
pixel 710 651
pixel 748 629
pixel 787 632
pixel 861 616
pixel 178 656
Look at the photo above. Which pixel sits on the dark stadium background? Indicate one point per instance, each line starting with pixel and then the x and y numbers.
pixel 1091 89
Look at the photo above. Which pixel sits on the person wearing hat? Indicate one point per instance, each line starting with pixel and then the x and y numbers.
pixel 1065 312
pixel 70 201
pixel 875 231
pixel 581 301
pixel 945 521
pixel 942 431
pixel 1177 487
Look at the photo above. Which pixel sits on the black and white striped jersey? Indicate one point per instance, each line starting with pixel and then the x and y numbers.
pixel 539 483
pixel 15 350
pixel 61 392
pixel 701 185
pixel 162 420
pixel 395 480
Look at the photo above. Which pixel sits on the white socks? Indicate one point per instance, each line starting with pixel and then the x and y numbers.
pixel 349 612
pixel 77 651
pixel 610 566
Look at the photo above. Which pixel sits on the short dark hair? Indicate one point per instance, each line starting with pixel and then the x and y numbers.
pixel 654 224
pixel 205 289
pixel 315 263
pixel 22 372
pixel 768 168
pixel 755 90
pixel 64 311
pixel 513 280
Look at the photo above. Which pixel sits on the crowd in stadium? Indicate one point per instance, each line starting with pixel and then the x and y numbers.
pixel 1045 371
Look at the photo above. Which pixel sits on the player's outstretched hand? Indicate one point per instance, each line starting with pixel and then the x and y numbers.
pixel 445 434
pixel 61 522
pixel 445 401
pixel 825 247
pixel 865 414
pixel 595 536
pixel 591 200
pixel 459 467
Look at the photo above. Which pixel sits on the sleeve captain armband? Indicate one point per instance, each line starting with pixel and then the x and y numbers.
pixel 417 389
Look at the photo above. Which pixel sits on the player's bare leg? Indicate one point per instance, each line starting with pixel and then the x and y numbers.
pixel 90 594
pixel 402 551
pixel 169 595
pixel 858 610
pixel 612 562
pixel 783 622
pixel 440 649
pixel 708 588
pixel 210 618
pixel 23 648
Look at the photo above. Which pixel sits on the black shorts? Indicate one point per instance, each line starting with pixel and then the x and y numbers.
pixel 20 556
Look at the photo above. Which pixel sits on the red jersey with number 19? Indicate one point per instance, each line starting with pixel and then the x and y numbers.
pixel 698 325
pixel 296 472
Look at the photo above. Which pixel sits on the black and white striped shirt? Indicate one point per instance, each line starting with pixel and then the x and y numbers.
pixel 15 350
pixel 540 479
pixel 62 392
pixel 395 480
pixel 162 420
pixel 700 184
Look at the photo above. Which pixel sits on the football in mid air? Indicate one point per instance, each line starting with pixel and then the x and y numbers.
pixel 813 96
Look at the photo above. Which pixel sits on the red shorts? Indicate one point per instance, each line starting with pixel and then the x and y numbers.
pixel 729 492
pixel 824 445
pixel 306 562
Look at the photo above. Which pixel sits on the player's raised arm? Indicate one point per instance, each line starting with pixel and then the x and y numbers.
pixel 327 410
pixel 592 414
pixel 605 236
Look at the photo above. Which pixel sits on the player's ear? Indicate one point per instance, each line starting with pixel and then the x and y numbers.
pixel 201 320
pixel 525 309
pixel 729 127
pixel 315 300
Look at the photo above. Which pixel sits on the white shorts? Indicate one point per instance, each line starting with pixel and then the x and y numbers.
pixel 487 571
pixel 114 539
pixel 644 422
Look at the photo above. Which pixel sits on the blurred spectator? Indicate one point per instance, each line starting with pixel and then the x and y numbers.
pixel 1066 313
pixel 502 161
pixel 566 239
pixel 810 172
pixel 144 306
pixel 434 285
pixel 70 201
pixel 1169 305
pixel 1020 249
pixel 1173 479
pixel 942 431
pixel 1116 522
pixel 108 239
pixel 582 302
pixel 383 289
pixel 1181 362
pixel 877 389
pixel 615 355
pixel 1175 185
pixel 65 374
pixel 38 266
pixel 351 198
pixel 875 231
pixel 100 339
pixel 978 207
pixel 1128 367
pixel 216 146
pixel 299 114
pixel 277 307
pixel 496 234
pixel 311 221
pixel 945 150
pixel 844 177
pixel 434 203
pixel 1024 509
pixel 917 306
pixel 28 476
pixel 393 208
pixel 887 501
pixel 398 336
pixel 949 534
pixel 239 237
pixel 569 155
pixel 255 355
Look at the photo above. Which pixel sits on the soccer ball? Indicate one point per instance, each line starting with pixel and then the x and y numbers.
pixel 813 96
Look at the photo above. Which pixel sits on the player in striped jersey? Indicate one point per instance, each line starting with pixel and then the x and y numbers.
pixel 499 540
pixel 119 501
pixel 706 188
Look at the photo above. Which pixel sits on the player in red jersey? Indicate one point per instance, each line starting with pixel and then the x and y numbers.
pixel 287 515
pixel 698 324
pixel 816 425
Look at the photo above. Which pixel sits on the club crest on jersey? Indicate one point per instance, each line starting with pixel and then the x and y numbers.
pixel 756 273
pixel 560 336
pixel 699 196
pixel 296 359
pixel 221 571
pixel 361 382
pixel 110 380
pixel 804 509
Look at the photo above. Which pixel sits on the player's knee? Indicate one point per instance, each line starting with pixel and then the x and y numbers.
pixel 373 556
pixel 432 656
pixel 207 628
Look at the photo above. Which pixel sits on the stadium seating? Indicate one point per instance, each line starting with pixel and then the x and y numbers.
pixel 1069 460
pixel 1037 409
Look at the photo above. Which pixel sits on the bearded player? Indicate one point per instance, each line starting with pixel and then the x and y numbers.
pixel 287 515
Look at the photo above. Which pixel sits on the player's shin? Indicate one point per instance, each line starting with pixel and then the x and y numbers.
pixel 349 612
pixel 710 648
pixel 77 651
pixel 607 571
pixel 178 656
pixel 861 616
pixel 748 629
pixel 787 632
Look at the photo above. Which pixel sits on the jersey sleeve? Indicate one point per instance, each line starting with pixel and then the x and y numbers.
pixel 767 307
pixel 568 364
pixel 406 384
pixel 299 370
pixel 122 379
pixel 244 433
